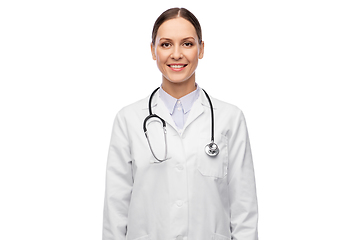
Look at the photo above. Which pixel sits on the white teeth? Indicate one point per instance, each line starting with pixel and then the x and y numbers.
pixel 177 66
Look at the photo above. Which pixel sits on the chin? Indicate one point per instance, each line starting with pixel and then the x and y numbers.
pixel 176 80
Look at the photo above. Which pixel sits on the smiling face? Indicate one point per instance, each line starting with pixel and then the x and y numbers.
pixel 177 50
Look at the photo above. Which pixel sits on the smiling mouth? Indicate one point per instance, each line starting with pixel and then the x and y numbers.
pixel 177 66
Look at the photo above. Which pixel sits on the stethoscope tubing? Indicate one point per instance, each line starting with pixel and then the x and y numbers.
pixel 211 149
pixel 212 116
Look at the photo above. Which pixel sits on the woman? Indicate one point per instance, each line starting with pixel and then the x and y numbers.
pixel 165 186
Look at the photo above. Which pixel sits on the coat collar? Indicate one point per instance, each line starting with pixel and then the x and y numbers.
pixel 154 102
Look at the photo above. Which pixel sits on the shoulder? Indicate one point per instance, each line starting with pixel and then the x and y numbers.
pixel 231 116
pixel 223 107
pixel 134 108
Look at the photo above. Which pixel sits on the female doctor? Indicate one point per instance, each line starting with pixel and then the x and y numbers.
pixel 190 176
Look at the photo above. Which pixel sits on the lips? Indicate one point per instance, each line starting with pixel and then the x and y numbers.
pixel 177 66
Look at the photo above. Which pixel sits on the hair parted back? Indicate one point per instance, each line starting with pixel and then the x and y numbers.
pixel 175 13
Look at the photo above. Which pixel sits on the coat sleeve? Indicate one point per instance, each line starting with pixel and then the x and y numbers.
pixel 119 182
pixel 241 180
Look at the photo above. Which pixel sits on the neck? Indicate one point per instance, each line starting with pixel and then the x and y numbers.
pixel 178 90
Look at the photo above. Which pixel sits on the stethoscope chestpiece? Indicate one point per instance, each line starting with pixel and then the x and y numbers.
pixel 212 149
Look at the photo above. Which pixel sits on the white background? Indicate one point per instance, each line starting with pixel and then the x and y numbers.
pixel 67 67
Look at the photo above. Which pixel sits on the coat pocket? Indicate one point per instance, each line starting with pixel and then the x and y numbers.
pixel 219 237
pixel 213 166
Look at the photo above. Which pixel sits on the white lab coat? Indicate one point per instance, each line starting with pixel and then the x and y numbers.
pixel 191 196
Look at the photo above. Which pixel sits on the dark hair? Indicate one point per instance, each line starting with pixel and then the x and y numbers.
pixel 175 13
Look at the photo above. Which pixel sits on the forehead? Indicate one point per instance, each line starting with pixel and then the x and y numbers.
pixel 176 28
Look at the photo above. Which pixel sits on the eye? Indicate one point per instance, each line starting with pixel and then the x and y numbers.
pixel 165 45
pixel 188 44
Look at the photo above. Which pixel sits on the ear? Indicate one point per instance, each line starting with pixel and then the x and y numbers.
pixel 152 51
pixel 201 52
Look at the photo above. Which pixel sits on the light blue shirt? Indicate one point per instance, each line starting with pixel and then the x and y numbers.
pixel 179 108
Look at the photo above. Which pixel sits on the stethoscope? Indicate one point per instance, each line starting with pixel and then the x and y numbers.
pixel 211 149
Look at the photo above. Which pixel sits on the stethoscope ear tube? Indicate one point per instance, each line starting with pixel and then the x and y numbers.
pixel 152 151
pixel 151 115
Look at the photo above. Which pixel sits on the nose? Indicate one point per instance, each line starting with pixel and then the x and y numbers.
pixel 176 54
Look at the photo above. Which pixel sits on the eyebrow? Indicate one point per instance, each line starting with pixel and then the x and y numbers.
pixel 168 39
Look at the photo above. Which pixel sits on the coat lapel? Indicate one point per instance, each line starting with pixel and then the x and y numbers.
pixel 196 110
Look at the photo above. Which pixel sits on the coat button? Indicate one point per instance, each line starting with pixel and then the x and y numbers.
pixel 180 167
pixel 179 203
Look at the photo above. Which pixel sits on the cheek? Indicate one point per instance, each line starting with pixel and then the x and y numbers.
pixel 161 56
pixel 193 56
pixel 159 59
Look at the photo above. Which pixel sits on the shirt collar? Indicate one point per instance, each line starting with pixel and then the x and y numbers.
pixel 186 101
